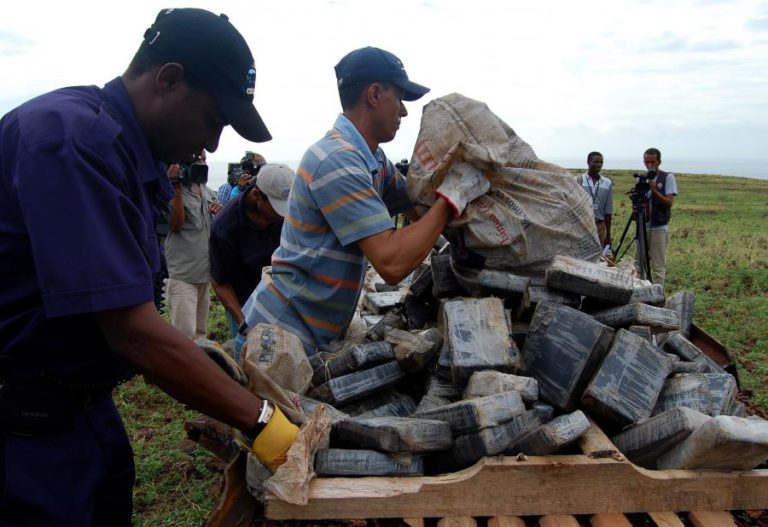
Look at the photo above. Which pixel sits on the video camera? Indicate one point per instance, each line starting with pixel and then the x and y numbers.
pixel 191 173
pixel 249 165
pixel 641 188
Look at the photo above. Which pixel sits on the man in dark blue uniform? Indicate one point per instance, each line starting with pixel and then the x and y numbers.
pixel 81 170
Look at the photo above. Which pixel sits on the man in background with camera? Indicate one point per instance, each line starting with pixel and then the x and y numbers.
pixel 239 176
pixel 661 196
pixel 186 247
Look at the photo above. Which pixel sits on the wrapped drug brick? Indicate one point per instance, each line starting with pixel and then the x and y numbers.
pixel 683 303
pixel 642 331
pixel 722 443
pixel 709 393
pixel 492 282
pixel 352 462
pixel 545 412
pixel 414 350
pixel 396 434
pixel 652 294
pixel 430 402
pixel 489 382
pixel 392 319
pixel 327 366
pixel 492 441
pixel 474 414
pixel 380 303
pixel 359 384
pixel 645 442
pixel 477 337
pixel 444 282
pixel 685 349
pixel 442 387
pixel 308 405
pixel 657 318
pixel 589 279
pixel 387 403
pixel 538 294
pixel 562 351
pixel 627 384
pixel 554 435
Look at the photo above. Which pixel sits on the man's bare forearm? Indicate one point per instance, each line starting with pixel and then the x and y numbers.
pixel 174 363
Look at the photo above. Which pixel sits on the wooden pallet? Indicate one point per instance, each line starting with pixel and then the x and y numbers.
pixel 600 486
pixel 598 481
pixel 660 519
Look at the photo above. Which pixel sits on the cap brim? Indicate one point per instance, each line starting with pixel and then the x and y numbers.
pixel 242 115
pixel 412 91
pixel 280 205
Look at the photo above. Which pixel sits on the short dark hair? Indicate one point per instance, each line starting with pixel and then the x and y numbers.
pixel 147 58
pixel 593 154
pixel 350 95
pixel 654 151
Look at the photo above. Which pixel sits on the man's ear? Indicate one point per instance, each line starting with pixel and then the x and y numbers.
pixel 373 94
pixel 169 76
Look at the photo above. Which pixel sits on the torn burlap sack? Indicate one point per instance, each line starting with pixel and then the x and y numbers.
pixel 291 480
pixel 534 209
pixel 277 368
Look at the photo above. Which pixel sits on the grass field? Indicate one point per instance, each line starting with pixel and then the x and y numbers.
pixel 718 249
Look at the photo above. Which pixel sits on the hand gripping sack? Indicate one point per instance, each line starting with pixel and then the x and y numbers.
pixel 534 210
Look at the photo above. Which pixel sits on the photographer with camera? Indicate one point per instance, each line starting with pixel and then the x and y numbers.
pixel 239 176
pixel 662 189
pixel 186 247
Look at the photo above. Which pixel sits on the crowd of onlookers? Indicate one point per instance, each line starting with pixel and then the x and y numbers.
pixel 221 238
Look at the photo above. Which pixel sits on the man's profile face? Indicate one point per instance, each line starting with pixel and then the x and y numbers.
pixel 651 161
pixel 389 112
pixel 189 123
pixel 595 164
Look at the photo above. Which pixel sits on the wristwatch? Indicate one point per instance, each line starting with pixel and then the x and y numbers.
pixel 267 410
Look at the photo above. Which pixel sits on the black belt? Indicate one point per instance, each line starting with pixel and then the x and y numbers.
pixel 32 407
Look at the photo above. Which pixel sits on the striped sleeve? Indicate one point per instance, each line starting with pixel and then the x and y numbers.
pixel 344 192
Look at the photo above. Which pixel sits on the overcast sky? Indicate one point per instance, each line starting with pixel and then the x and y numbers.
pixel 690 77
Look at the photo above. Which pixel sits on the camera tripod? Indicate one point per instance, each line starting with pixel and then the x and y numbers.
pixel 641 236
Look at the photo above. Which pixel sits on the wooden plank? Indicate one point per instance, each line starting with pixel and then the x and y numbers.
pixel 711 519
pixel 596 444
pixel 612 519
pixel 458 521
pixel 666 519
pixel 558 520
pixel 505 521
pixel 236 507
pixel 507 486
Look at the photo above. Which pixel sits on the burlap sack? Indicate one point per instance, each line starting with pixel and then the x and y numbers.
pixel 280 355
pixel 534 210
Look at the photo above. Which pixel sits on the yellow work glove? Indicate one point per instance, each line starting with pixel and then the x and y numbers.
pixel 273 441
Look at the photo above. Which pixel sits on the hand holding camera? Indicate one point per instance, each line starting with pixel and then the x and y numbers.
pixel 174 174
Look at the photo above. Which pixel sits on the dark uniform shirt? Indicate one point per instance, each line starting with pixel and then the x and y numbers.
pixel 78 188
pixel 239 249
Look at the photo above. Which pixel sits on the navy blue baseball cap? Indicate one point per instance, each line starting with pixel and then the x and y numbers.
pixel 215 55
pixel 366 65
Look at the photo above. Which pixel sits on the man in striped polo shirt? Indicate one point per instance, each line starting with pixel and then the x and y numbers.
pixel 341 206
